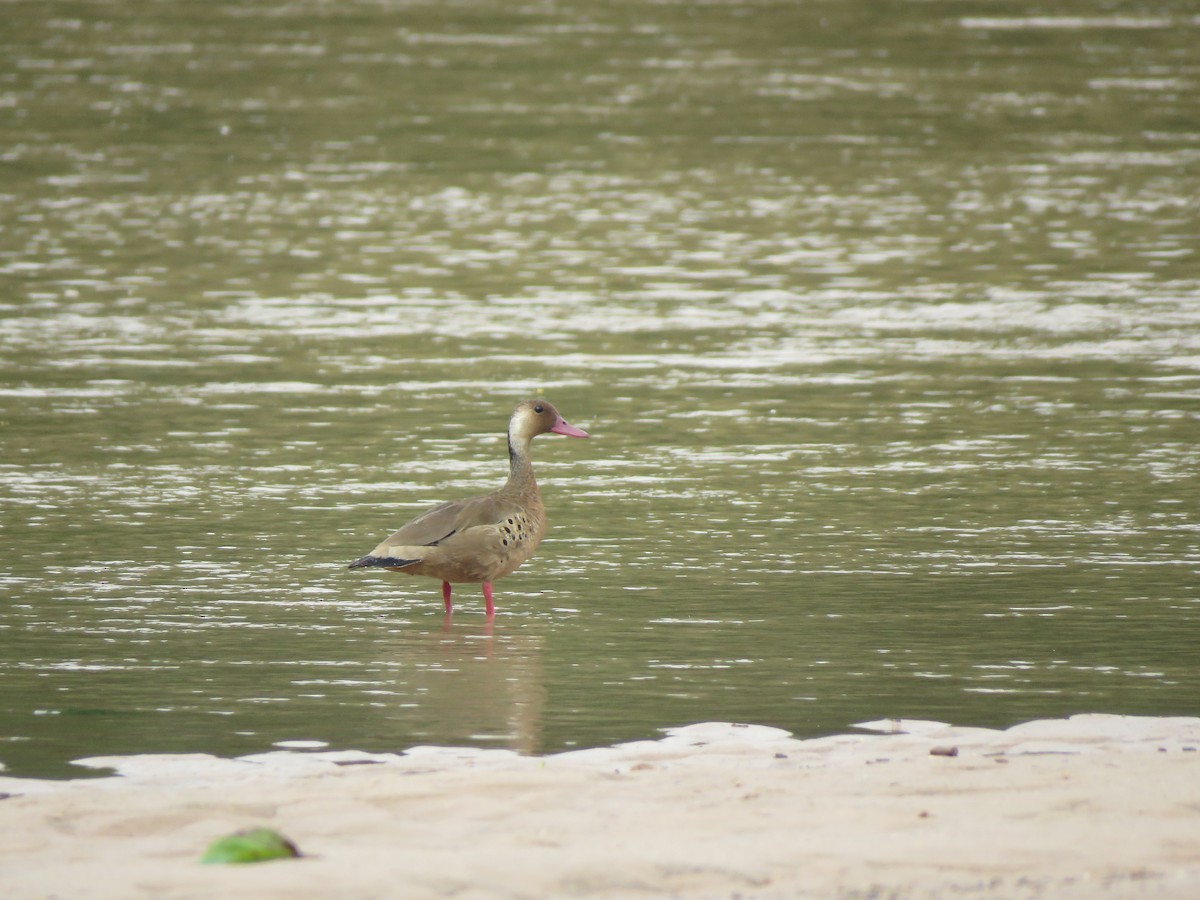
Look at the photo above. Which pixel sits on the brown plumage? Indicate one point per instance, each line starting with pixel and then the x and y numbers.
pixel 481 539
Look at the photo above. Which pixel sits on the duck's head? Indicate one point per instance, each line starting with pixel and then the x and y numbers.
pixel 534 417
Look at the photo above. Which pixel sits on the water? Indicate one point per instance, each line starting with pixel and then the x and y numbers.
pixel 885 320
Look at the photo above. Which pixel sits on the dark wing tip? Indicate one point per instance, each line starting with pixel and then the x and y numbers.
pixel 390 562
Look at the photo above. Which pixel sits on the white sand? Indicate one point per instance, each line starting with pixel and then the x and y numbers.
pixel 1092 806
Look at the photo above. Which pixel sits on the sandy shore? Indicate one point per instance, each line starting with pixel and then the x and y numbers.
pixel 1092 806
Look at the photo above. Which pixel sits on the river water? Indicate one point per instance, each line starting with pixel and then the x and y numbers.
pixel 885 319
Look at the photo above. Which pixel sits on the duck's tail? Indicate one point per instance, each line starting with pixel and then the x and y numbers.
pixel 386 562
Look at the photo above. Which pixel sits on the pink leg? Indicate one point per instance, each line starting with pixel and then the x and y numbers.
pixel 446 596
pixel 487 596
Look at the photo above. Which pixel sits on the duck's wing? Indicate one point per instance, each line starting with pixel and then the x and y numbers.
pixel 443 522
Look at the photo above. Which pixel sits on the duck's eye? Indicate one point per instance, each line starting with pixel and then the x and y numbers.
pixel 539 409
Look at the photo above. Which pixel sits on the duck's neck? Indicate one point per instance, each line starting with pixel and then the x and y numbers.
pixel 520 466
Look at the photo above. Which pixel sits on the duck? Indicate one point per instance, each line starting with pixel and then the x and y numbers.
pixel 481 539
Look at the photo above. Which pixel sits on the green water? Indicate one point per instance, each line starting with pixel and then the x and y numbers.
pixel 885 319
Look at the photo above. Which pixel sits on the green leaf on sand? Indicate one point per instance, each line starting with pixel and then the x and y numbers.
pixel 252 845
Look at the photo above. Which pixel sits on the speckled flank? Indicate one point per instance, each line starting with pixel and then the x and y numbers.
pixel 517 529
